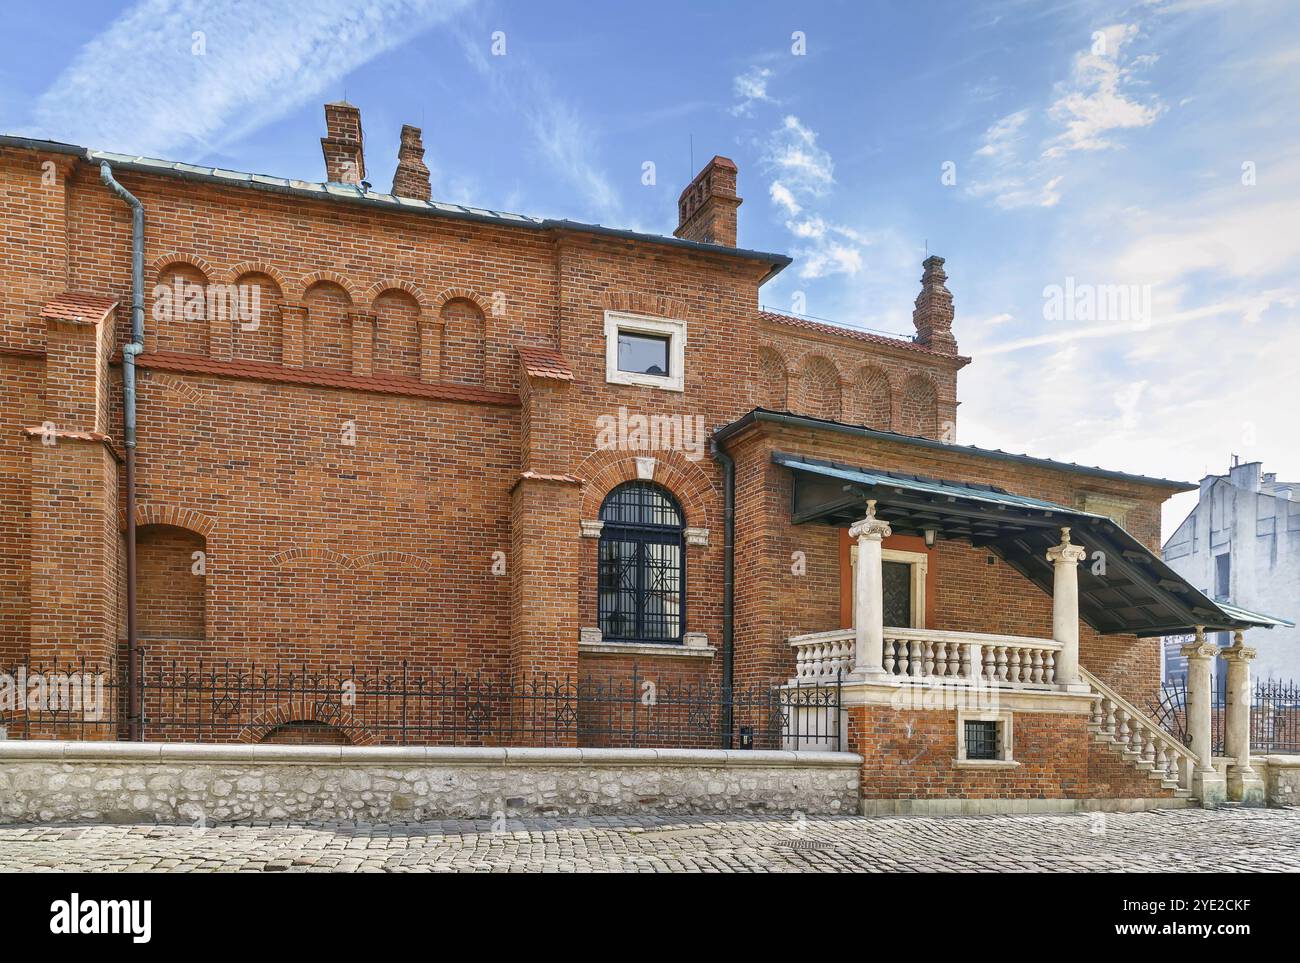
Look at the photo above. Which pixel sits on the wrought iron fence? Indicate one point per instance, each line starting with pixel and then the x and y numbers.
pixel 1274 715
pixel 404 705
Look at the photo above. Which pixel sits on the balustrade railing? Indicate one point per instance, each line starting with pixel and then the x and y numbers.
pixel 935 654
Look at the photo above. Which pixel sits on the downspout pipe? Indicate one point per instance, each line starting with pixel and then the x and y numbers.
pixel 129 352
pixel 728 584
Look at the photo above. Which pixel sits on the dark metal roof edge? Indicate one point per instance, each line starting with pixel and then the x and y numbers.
pixel 778 262
pixel 807 421
pixel 1086 522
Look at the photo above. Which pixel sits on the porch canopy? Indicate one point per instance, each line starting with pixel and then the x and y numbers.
pixel 1126 589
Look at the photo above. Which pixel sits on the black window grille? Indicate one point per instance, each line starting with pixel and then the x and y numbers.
pixel 641 580
pixel 981 739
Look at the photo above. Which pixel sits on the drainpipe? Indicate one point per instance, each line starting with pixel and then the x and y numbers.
pixel 728 582
pixel 129 351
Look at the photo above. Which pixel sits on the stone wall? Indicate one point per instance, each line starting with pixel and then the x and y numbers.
pixel 142 782
pixel 1281 779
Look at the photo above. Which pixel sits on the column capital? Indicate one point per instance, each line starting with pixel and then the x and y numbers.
pixel 1200 649
pixel 871 527
pixel 1238 652
pixel 1066 552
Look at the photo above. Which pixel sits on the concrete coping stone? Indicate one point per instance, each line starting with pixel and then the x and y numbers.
pixel 24 750
pixel 1280 762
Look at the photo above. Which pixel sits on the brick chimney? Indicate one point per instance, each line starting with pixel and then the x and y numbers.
pixel 345 161
pixel 706 211
pixel 412 176
pixel 934 312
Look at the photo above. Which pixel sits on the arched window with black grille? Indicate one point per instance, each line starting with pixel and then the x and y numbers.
pixel 642 568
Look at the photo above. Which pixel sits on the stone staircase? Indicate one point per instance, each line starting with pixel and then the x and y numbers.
pixel 1141 741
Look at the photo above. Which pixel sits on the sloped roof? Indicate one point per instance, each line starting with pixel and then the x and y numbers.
pixel 1123 588
pixel 857 334
pixel 355 194
pixel 79 308
pixel 548 363
pixel 995 454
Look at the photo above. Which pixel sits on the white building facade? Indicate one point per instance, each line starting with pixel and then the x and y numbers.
pixel 1241 545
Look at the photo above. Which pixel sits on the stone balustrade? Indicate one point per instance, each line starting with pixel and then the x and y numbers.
pixel 934 655
pixel 1141 739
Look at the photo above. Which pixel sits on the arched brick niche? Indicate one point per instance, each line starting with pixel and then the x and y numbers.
pixel 818 391
pixel 328 338
pixel 397 334
pixel 262 338
pixel 464 340
pixel 919 407
pixel 773 380
pixel 177 310
pixel 872 401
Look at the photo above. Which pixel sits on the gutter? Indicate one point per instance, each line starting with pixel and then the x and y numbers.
pixel 728 584
pixel 129 352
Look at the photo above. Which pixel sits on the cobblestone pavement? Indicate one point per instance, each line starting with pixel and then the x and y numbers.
pixel 1171 841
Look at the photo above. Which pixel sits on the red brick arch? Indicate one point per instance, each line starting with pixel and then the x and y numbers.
pixel 258 267
pixel 175 258
pixel 152 514
pixel 329 277
pixel 307 709
pixel 462 294
pixel 689 483
pixel 406 287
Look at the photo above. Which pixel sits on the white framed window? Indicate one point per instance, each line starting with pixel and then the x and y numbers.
pixel 641 350
pixel 908 597
pixel 984 738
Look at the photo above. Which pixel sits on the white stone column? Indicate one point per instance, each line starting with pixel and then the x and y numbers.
pixel 1244 784
pixel 1207 784
pixel 869 595
pixel 1065 607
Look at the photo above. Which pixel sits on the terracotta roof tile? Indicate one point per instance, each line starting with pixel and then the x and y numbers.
pixel 79 308
pixel 320 377
pixel 855 333
pixel 545 363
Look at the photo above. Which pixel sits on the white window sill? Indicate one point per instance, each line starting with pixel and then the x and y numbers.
pixel 646 648
pixel 985 764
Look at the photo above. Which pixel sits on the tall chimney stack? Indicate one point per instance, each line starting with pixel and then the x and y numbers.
pixel 706 211
pixel 411 178
pixel 345 161
pixel 934 311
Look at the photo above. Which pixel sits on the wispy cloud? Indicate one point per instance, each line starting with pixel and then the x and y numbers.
pixel 194 75
pixel 750 88
pixel 1097 100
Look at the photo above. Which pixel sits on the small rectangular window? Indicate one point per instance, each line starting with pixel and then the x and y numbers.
pixel 644 354
pixel 981 739
pixel 1222 576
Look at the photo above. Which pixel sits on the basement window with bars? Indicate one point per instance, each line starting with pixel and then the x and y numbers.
pixel 981 739
pixel 984 738
pixel 641 576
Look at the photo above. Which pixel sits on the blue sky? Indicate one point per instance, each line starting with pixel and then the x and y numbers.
pixel 1147 147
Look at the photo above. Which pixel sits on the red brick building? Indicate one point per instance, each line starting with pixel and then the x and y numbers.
pixel 373 428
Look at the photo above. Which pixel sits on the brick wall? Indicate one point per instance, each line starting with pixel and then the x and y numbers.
pixel 355 459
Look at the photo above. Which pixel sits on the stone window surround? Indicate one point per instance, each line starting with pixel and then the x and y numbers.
pixel 920 564
pixel 1004 718
pixel 616 321
pixel 694 645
